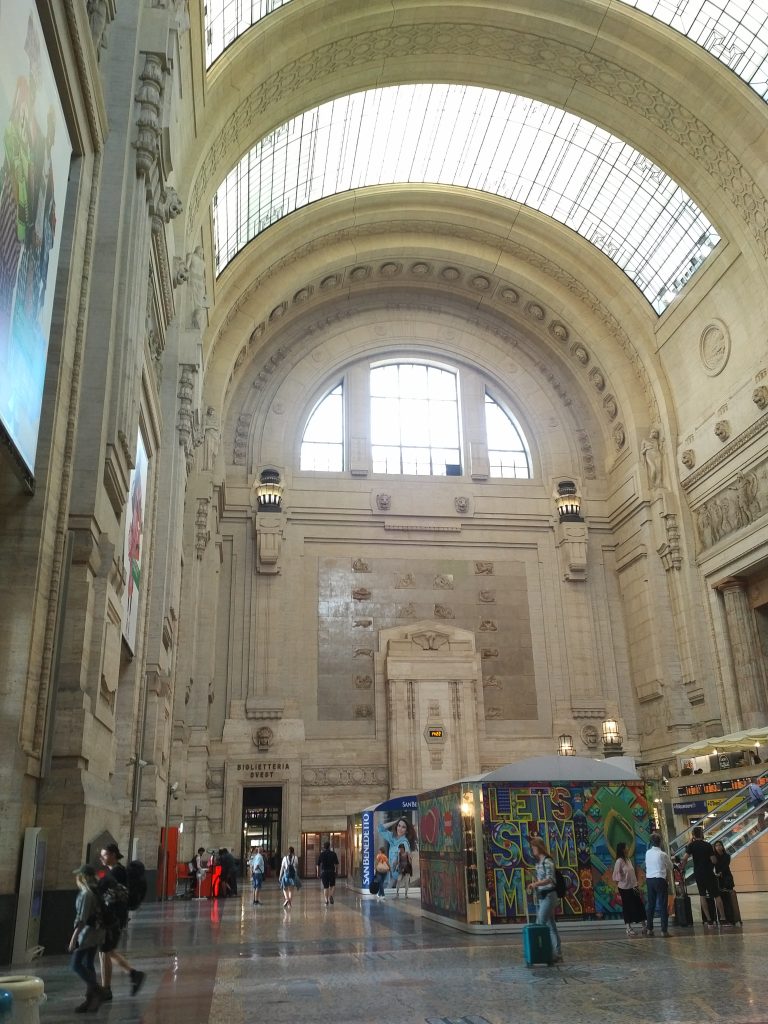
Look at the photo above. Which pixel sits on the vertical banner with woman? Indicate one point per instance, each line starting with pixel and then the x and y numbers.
pixel 33 181
pixel 391 829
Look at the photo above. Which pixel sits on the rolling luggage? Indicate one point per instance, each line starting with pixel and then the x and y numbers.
pixel 537 944
pixel 731 907
pixel 683 911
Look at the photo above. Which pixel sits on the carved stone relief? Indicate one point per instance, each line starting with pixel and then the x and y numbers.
pixel 442 582
pixel 365 775
pixel 688 458
pixel 360 565
pixel 484 568
pixel 736 506
pixel 722 430
pixel 714 347
pixel 383 502
pixel 443 611
pixel 760 397
pixel 461 504
pixel 361 594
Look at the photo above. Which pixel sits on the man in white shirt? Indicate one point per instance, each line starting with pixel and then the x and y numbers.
pixel 257 875
pixel 658 869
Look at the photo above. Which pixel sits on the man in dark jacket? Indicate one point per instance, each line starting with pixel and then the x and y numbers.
pixel 115 872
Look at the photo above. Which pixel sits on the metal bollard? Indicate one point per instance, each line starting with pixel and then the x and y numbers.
pixel 25 993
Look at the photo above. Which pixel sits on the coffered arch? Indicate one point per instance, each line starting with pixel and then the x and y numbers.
pixel 532 273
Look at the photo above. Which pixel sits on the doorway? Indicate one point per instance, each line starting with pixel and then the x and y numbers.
pixel 262 824
pixel 312 844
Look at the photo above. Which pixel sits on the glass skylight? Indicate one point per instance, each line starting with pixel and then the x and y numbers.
pixel 496 142
pixel 225 20
pixel 733 31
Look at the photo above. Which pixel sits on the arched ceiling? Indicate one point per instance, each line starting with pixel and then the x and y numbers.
pixel 605 62
pixel 734 32
pixel 526 151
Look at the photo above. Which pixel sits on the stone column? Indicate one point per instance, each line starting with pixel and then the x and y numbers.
pixel 748 671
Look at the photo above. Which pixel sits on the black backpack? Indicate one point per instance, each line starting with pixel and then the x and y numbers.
pixel 115 902
pixel 561 885
pixel 137 884
pixel 292 870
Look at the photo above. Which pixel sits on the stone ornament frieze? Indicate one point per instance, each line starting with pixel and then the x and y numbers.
pixel 727 452
pixel 588 70
pixel 742 502
pixel 332 776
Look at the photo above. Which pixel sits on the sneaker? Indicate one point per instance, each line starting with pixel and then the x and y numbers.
pixel 137 980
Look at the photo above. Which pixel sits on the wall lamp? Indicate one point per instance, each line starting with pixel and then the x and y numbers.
pixel 269 491
pixel 565 745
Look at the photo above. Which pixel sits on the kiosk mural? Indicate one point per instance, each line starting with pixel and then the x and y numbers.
pixel 443 861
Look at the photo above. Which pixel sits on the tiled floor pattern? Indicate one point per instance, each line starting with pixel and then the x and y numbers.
pixel 361 961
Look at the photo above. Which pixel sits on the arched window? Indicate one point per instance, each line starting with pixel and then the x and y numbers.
pixel 322 447
pixel 414 420
pixel 507 450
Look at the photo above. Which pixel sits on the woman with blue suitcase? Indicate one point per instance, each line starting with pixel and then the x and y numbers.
pixel 546 891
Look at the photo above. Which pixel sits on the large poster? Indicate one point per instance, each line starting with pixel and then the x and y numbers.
pixel 581 823
pixel 387 827
pixel 134 543
pixel 33 181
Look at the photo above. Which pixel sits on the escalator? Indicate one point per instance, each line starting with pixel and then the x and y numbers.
pixel 737 825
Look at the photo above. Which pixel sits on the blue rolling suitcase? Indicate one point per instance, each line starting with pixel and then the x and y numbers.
pixel 537 944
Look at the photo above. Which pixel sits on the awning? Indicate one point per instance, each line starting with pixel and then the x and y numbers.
pixel 725 744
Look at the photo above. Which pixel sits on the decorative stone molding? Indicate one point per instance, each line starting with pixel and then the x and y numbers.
pixel 150 100
pixel 383 502
pixel 760 396
pixel 263 738
pixel 619 437
pixel 688 458
pixel 185 422
pixel 240 444
pixel 590 736
pixel 461 504
pixel 269 537
pixel 330 775
pixel 202 532
pixel 726 453
pixel 360 565
pixel 722 430
pixel 180 272
pixel 572 543
pixel 669 552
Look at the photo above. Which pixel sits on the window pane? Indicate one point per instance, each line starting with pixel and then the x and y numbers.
pixel 420 413
pixel 507 450
pixel 322 447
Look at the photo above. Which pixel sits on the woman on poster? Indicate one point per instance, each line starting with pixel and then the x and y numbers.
pixel 395 834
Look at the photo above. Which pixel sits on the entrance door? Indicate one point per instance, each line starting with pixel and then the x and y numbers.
pixel 262 824
pixel 312 844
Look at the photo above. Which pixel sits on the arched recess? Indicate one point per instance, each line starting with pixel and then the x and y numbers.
pixel 597 65
pixel 529 272
pixel 569 432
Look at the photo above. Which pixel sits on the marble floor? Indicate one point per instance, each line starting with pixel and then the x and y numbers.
pixel 360 961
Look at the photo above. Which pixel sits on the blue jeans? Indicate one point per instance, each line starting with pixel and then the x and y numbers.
pixel 546 915
pixel 658 892
pixel 82 965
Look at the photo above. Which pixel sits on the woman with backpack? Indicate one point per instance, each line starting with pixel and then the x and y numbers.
pixel 289 876
pixel 545 888
pixel 87 936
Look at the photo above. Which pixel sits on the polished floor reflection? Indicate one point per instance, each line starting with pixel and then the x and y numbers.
pixel 367 961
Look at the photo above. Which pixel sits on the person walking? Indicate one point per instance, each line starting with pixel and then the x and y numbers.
pixel 703 856
pixel 625 877
pixel 88 934
pixel 658 869
pixel 327 865
pixel 116 872
pixel 289 876
pixel 404 870
pixel 545 889
pixel 381 870
pixel 258 868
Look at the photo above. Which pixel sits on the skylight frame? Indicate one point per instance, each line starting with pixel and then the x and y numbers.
pixel 576 172
pixel 734 32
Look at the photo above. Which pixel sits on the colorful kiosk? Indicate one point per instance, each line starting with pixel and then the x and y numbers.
pixel 474 856
pixel 388 825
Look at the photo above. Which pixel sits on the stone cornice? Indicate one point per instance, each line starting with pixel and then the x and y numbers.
pixel 726 453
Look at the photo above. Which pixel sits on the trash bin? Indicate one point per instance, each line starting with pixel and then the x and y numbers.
pixel 27 993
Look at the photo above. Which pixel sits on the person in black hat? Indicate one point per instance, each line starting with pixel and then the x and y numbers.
pixel 110 858
pixel 87 935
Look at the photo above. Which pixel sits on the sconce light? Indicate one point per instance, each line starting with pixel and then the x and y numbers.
pixel 467 804
pixel 269 491
pixel 612 738
pixel 568 502
pixel 565 745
